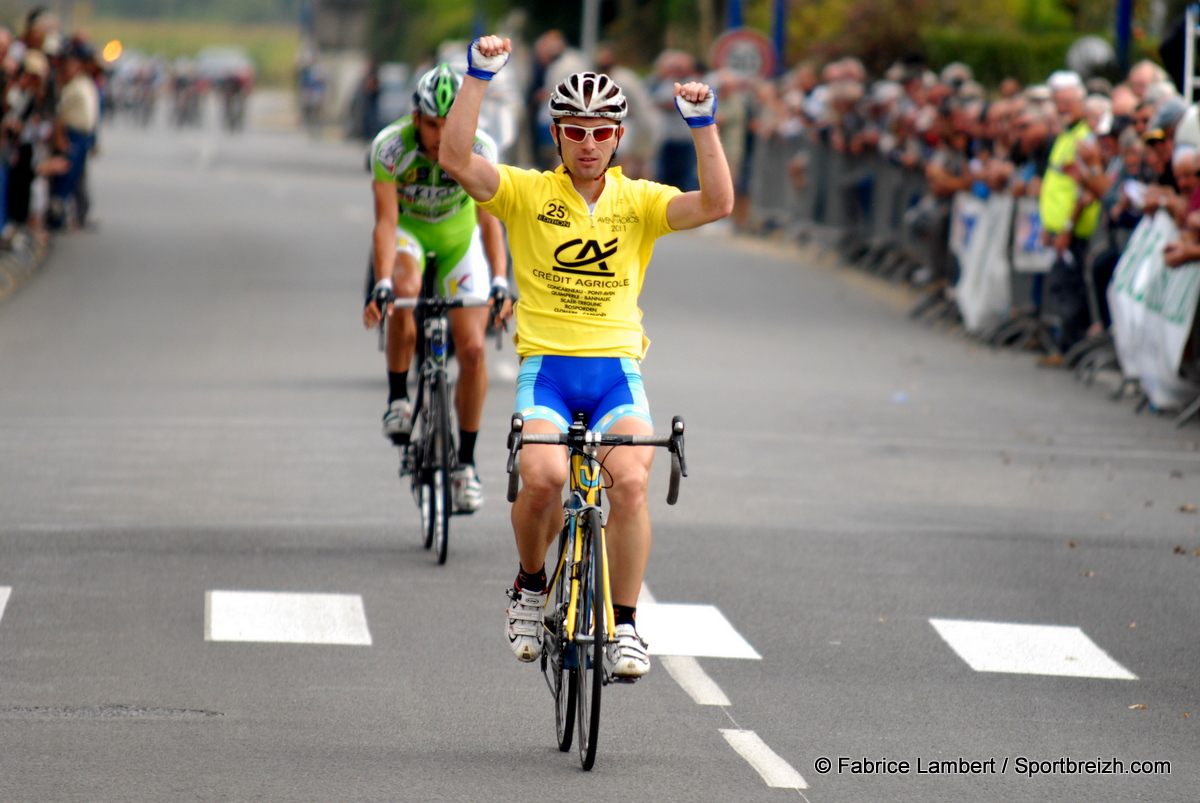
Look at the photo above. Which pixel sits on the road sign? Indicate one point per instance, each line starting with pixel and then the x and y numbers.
pixel 745 52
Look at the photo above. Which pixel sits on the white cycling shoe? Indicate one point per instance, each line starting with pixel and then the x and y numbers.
pixel 466 489
pixel 627 657
pixel 398 420
pixel 524 628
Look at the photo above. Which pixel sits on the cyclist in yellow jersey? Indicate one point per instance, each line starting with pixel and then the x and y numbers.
pixel 581 237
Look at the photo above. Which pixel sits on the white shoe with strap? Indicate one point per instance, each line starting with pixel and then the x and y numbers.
pixel 627 655
pixel 398 419
pixel 466 489
pixel 524 628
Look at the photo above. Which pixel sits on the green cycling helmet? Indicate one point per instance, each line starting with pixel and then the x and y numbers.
pixel 436 90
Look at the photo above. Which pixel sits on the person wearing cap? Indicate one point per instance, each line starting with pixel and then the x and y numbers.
pixel 581 238
pixel 78 116
pixel 1069 212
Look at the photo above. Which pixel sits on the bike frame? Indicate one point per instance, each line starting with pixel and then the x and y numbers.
pixel 585 494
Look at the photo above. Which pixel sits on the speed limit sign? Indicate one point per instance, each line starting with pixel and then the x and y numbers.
pixel 744 52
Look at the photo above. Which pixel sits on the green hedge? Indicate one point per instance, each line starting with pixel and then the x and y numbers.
pixel 996 55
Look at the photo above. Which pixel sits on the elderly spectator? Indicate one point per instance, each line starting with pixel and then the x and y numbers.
pixel 78 116
pixel 677 153
pixel 640 141
pixel 947 172
pixel 553 62
pixel 1069 214
pixel 1142 75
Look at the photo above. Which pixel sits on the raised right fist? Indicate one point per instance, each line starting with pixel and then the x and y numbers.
pixel 486 56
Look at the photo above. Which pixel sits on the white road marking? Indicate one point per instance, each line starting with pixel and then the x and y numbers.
pixel 503 371
pixel 699 686
pixel 5 591
pixel 356 214
pixel 262 616
pixel 774 770
pixel 696 630
pixel 1029 649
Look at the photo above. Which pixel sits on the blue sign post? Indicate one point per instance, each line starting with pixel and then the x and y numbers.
pixel 780 26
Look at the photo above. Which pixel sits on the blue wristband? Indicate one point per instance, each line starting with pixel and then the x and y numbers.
pixel 699 122
pixel 483 75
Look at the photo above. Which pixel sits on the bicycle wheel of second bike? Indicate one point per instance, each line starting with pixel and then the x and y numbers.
pixel 590 654
pixel 443 454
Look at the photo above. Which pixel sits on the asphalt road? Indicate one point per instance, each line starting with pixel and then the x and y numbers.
pixel 189 408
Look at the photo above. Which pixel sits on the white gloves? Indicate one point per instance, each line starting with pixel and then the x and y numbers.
pixel 698 115
pixel 481 66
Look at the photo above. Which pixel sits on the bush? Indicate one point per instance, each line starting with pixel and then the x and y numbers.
pixel 997 55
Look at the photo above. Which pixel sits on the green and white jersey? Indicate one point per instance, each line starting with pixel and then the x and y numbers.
pixel 432 205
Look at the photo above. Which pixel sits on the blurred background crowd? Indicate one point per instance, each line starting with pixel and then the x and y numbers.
pixel 885 131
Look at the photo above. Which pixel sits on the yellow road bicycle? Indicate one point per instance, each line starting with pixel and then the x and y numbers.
pixel 579 614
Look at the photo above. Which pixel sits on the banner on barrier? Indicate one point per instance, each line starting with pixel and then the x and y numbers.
pixel 964 214
pixel 984 292
pixel 1153 307
pixel 1029 253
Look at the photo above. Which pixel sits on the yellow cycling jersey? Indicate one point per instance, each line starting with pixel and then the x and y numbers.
pixel 579 272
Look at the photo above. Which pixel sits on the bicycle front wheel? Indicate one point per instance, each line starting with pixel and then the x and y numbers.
pixel 589 650
pixel 443 503
pixel 558 662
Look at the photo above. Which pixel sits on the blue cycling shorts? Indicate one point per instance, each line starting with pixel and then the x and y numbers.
pixel 555 388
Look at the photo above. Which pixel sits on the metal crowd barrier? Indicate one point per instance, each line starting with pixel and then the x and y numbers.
pixel 860 206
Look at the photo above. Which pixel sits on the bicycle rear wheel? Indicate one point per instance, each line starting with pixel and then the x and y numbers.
pixel 421 449
pixel 590 654
pixel 558 663
pixel 443 503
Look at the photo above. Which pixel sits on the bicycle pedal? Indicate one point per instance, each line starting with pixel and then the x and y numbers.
pixel 622 680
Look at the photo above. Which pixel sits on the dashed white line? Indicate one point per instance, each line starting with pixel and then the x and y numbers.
pixel 5 591
pixel 777 773
pixel 699 686
pixel 261 616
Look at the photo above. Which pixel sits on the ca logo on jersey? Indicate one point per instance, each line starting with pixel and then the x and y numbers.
pixel 555 213
pixel 576 254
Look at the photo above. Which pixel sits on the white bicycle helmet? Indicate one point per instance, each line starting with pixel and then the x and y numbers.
pixel 588 94
pixel 436 91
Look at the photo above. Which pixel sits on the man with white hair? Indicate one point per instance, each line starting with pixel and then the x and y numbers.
pixel 1069 213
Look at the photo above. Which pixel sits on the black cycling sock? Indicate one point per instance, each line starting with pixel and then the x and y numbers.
pixel 624 614
pixel 466 447
pixel 397 385
pixel 533 583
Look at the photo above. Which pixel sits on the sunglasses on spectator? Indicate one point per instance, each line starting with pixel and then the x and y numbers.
pixel 578 133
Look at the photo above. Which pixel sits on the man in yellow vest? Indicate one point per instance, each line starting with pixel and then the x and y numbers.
pixel 1069 213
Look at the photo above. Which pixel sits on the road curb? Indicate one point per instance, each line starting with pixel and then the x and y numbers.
pixel 19 262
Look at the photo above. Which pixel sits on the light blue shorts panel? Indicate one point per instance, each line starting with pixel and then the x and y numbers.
pixel 605 389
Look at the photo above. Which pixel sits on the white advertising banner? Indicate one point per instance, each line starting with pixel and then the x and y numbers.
pixel 964 214
pixel 1152 309
pixel 984 292
pixel 1029 253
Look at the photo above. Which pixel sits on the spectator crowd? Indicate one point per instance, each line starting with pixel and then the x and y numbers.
pixel 49 87
pixel 1091 158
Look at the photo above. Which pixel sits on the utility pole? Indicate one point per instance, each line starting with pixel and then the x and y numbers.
pixel 590 32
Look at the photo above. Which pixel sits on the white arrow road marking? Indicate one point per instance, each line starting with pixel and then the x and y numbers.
pixel 774 770
pixel 1029 649
pixel 292 618
pixel 695 630
pixel 5 591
